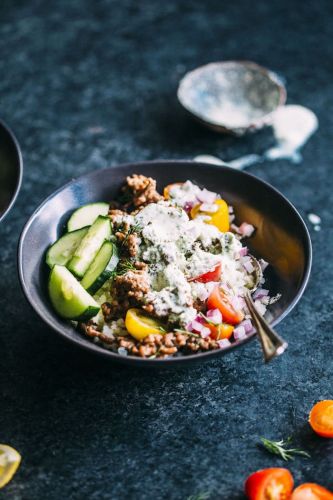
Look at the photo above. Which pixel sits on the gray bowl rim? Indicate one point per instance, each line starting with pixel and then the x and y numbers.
pixel 20 167
pixel 181 360
pixel 274 77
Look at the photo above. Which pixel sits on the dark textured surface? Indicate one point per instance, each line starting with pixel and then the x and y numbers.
pixel 89 84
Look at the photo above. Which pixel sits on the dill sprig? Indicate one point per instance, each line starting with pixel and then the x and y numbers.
pixel 200 496
pixel 281 448
pixel 136 228
pixel 179 330
pixel 123 267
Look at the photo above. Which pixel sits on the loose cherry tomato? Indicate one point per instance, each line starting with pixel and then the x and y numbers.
pixel 166 190
pixel 213 275
pixel 321 418
pixel 269 484
pixel 219 300
pixel 220 218
pixel 219 332
pixel 311 491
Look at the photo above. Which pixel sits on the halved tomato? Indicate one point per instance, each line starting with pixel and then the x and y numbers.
pixel 311 491
pixel 220 218
pixel 269 484
pixel 321 418
pixel 219 332
pixel 213 275
pixel 166 190
pixel 139 324
pixel 219 300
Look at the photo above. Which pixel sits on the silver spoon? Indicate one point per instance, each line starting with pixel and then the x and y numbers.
pixel 272 344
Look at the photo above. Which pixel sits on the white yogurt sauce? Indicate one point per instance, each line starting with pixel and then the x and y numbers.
pixel 293 125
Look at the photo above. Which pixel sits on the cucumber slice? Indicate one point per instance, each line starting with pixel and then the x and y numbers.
pixel 89 246
pixel 101 268
pixel 63 249
pixel 68 297
pixel 86 215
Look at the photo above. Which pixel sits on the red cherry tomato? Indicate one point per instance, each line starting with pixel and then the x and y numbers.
pixel 213 275
pixel 269 484
pixel 311 491
pixel 219 300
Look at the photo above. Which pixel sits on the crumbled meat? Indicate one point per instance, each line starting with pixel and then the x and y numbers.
pixel 140 191
pixel 199 305
pixel 114 213
pixel 128 290
pixel 91 330
pixel 156 346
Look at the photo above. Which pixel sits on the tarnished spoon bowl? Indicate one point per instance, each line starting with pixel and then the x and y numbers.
pixel 232 96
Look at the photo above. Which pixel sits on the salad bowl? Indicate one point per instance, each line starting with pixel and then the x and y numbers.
pixel 11 168
pixel 281 238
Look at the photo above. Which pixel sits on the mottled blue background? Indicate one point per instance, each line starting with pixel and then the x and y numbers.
pixel 87 84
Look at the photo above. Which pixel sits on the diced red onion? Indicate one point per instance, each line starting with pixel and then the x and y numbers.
pixel 235 302
pixel 239 332
pixel 194 326
pixel 206 196
pixel 246 229
pixel 261 308
pixel 214 315
pixel 200 319
pixel 205 332
pixel 248 266
pixel 243 251
pixel 223 343
pixel 209 207
pixel 263 264
pixel 234 228
pixel 247 325
pixel 260 293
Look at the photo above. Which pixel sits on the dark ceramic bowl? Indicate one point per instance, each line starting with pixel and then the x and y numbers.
pixel 232 96
pixel 11 167
pixel 281 238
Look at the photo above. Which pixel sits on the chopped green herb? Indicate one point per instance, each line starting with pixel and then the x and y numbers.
pixel 123 267
pixel 281 448
pixel 200 496
pixel 179 330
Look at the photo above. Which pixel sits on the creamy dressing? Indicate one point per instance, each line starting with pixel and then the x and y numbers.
pixel 176 249
pixel 293 125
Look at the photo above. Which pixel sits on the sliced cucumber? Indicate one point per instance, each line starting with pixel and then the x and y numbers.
pixel 89 246
pixel 86 215
pixel 101 268
pixel 68 297
pixel 63 249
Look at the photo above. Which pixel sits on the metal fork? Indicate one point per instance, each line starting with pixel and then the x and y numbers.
pixel 272 344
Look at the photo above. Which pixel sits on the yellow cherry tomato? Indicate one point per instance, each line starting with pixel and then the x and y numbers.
pixel 139 324
pixel 220 218
pixel 9 461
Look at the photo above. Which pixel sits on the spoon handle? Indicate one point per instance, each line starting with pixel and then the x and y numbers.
pixel 272 344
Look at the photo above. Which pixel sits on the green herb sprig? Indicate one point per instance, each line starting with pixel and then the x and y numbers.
pixel 200 496
pixel 123 267
pixel 282 449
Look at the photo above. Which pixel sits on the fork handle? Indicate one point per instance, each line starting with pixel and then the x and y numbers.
pixel 272 344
